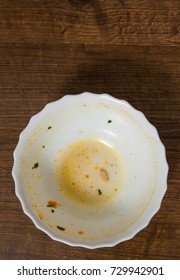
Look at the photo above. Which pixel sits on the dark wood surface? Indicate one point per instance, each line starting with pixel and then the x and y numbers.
pixel 127 48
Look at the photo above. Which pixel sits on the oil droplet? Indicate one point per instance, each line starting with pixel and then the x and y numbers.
pixel 96 167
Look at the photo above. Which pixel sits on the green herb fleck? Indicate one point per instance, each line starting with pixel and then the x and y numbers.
pixel 36 165
pixel 99 192
pixel 109 121
pixel 49 127
pixel 60 228
pixel 52 210
pixel 43 146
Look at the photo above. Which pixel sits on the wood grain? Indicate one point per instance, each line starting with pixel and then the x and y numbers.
pixel 91 22
pixel 129 49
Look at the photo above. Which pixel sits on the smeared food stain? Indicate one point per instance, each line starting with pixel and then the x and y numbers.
pixel 53 204
pixel 104 175
pixel 106 162
pixel 88 171
pixel 41 216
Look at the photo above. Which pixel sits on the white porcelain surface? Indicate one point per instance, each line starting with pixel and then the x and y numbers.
pixel 120 186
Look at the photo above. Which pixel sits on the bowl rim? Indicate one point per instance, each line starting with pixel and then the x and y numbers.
pixel 48 108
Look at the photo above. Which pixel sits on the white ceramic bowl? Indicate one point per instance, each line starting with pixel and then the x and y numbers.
pixel 90 170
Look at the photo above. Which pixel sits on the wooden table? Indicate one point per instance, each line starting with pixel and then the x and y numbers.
pixel 127 48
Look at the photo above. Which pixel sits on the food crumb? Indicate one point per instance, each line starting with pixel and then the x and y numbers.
pixel 109 121
pixel 61 228
pixel 36 165
pixel 53 204
pixel 49 127
pixel 104 175
pixel 99 192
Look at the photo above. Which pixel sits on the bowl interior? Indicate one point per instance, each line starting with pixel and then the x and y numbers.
pixel 90 170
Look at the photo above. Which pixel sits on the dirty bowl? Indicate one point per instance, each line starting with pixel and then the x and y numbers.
pixel 90 170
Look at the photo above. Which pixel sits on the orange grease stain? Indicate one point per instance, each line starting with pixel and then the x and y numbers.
pixel 81 232
pixel 53 204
